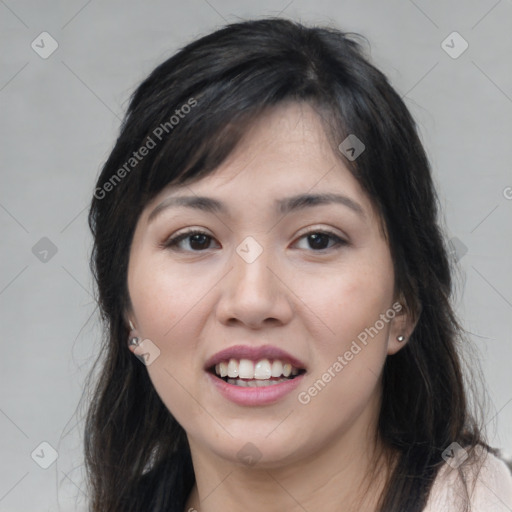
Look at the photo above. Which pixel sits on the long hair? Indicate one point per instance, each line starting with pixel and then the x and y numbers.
pixel 189 114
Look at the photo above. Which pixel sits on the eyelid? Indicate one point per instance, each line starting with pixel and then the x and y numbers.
pixel 321 229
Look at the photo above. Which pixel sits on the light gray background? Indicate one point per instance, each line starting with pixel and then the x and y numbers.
pixel 60 117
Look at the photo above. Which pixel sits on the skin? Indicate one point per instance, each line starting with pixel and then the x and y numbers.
pixel 196 300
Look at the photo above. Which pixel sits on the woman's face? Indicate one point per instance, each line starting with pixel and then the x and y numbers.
pixel 270 282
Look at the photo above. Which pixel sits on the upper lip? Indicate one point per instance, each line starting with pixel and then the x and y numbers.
pixel 254 354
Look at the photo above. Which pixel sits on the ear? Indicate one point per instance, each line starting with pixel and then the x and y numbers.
pixel 402 326
pixel 133 333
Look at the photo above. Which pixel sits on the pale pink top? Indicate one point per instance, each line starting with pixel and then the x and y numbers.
pixel 492 491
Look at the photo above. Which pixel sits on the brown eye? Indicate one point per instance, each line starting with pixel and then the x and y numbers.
pixel 197 241
pixel 319 240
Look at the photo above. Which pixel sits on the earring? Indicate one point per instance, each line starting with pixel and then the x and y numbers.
pixel 133 342
pixel 400 338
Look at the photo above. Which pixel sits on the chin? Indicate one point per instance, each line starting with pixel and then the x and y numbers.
pixel 251 448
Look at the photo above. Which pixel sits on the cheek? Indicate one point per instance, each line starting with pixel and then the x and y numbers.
pixel 163 296
pixel 349 299
pixel 350 357
pixel 168 305
pixel 345 383
pixel 165 303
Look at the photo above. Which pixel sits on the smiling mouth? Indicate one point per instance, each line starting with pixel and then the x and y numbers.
pixel 261 373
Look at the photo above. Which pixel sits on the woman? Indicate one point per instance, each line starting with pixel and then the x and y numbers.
pixel 266 243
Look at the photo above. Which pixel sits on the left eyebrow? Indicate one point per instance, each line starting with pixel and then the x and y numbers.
pixel 285 206
pixel 302 201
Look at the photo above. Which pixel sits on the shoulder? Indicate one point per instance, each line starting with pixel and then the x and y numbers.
pixel 489 486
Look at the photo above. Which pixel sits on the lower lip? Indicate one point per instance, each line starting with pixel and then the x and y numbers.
pixel 254 396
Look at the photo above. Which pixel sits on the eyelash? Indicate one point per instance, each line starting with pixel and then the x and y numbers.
pixel 172 242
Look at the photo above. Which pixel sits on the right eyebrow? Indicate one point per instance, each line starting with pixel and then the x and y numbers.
pixel 206 204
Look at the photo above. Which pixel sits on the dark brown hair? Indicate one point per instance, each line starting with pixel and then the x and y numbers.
pixel 137 455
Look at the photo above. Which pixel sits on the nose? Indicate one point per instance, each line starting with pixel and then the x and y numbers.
pixel 254 294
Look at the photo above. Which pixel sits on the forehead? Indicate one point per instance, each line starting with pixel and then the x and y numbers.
pixel 284 152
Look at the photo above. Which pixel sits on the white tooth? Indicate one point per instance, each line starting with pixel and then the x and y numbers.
pixel 252 383
pixel 242 383
pixel 261 383
pixel 233 368
pixel 277 368
pixel 217 369
pixel 262 369
pixel 231 381
pixel 223 367
pixel 295 371
pixel 246 369
pixel 287 369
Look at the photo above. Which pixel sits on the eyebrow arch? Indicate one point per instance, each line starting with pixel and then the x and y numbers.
pixel 285 206
pixel 302 201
